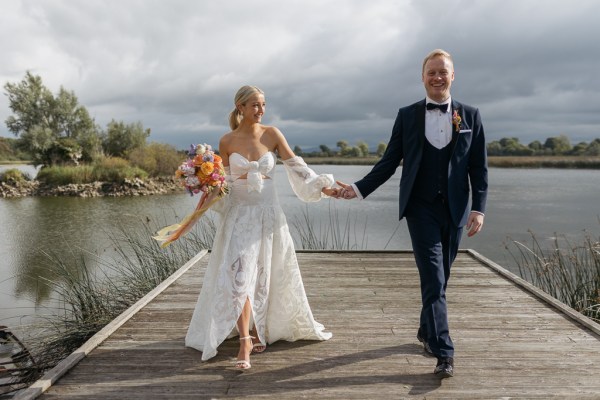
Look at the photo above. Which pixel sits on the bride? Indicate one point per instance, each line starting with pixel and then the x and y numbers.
pixel 252 286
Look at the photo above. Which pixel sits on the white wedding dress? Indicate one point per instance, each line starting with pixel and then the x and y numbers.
pixel 253 258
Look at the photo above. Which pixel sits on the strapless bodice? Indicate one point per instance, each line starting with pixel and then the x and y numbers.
pixel 255 170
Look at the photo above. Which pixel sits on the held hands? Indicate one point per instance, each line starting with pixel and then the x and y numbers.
pixel 474 223
pixel 345 191
pixel 331 192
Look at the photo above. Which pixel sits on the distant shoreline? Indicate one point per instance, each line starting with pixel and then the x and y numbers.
pixel 562 162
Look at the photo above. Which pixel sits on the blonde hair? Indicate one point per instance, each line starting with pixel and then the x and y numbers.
pixel 437 53
pixel 242 95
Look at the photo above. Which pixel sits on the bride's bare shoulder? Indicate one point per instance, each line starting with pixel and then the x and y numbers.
pixel 225 141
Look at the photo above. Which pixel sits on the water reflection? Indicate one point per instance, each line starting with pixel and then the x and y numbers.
pixel 43 227
pixel 545 201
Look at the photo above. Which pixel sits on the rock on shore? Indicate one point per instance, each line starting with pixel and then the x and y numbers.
pixel 134 187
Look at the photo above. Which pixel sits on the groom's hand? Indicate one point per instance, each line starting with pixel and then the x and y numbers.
pixel 474 223
pixel 347 192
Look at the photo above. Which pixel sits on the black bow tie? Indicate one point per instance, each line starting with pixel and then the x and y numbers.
pixel 433 106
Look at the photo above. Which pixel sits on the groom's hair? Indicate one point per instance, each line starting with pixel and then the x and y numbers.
pixel 437 53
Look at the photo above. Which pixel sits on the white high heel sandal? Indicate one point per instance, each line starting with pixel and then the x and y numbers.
pixel 244 364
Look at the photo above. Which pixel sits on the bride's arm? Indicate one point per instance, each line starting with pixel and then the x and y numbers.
pixel 305 182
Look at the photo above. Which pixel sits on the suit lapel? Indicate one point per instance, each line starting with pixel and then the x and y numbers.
pixel 420 126
pixel 455 133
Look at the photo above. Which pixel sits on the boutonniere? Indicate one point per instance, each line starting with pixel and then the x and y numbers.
pixel 456 120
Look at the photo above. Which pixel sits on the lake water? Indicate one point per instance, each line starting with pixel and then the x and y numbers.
pixel 545 201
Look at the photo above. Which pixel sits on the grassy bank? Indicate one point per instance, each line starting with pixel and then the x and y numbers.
pixel 564 162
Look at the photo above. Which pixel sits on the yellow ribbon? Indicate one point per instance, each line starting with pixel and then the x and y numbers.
pixel 169 234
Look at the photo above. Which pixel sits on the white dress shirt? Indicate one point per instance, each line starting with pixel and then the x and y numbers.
pixel 438 124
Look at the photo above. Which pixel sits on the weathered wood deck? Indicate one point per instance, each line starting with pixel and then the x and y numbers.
pixel 510 341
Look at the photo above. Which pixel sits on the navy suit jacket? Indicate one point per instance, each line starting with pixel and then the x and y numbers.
pixel 468 160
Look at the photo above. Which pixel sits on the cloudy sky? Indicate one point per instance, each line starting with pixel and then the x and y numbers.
pixel 331 70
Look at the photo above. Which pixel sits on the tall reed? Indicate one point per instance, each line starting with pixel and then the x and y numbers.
pixel 92 291
pixel 334 233
pixel 568 272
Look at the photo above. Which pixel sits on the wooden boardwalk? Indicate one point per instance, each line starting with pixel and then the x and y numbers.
pixel 510 341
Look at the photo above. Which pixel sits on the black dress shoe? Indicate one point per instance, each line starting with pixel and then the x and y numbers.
pixel 444 367
pixel 425 344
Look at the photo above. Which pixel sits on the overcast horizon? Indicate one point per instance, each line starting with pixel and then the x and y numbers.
pixel 331 70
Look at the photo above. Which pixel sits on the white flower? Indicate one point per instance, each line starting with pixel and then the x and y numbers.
pixel 200 149
pixel 192 181
pixel 187 170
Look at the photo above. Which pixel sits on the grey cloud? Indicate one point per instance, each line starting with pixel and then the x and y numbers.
pixel 331 70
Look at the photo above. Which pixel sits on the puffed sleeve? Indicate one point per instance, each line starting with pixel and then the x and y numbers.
pixel 305 182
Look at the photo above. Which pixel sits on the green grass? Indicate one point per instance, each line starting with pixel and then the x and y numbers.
pixel 106 170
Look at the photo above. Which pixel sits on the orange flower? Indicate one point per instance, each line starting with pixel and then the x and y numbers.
pixel 217 159
pixel 207 168
pixel 198 160
pixel 456 120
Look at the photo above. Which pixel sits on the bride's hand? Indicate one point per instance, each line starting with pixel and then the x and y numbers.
pixel 331 192
pixel 346 191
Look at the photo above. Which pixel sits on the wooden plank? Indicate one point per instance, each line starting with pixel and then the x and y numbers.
pixel 509 341
pixel 65 365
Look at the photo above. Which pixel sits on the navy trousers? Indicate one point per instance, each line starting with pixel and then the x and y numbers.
pixel 435 242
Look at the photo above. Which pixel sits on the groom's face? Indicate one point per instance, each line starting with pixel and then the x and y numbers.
pixel 438 75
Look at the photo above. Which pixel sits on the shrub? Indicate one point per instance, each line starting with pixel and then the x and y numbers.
pixel 14 175
pixel 115 169
pixel 64 175
pixel 157 159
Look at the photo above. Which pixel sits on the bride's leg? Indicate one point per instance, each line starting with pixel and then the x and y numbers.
pixel 257 345
pixel 243 325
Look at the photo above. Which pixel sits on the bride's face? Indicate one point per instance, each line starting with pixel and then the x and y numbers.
pixel 254 108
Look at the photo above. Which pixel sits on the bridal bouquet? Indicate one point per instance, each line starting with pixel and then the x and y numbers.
pixel 202 172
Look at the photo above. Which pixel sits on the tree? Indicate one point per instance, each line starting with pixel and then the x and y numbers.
pixel 536 146
pixel 342 144
pixel 326 150
pixel 120 138
pixel 364 148
pixel 43 121
pixel 558 145
pixel 31 103
pixel 381 148
pixel 494 148
pixel 593 148
pixel 351 152
pixel 298 150
pixel 579 149
pixel 508 147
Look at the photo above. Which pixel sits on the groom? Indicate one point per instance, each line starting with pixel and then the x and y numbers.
pixel 442 144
